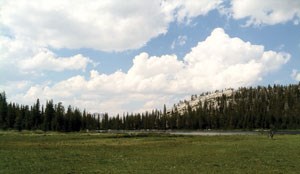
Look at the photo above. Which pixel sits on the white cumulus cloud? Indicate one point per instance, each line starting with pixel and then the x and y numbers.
pixel 185 10
pixel 218 62
pixel 107 25
pixel 268 12
pixel 48 61
pixel 23 55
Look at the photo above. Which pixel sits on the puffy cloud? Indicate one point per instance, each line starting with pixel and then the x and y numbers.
pixel 23 55
pixel 225 62
pixel 268 12
pixel 108 25
pixel 46 60
pixel 295 75
pixel 185 10
pixel 15 49
pixel 104 25
pixel 217 62
pixel 15 86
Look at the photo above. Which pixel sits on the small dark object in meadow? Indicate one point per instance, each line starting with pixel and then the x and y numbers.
pixel 271 133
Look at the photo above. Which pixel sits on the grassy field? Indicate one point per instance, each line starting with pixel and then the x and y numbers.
pixel 30 152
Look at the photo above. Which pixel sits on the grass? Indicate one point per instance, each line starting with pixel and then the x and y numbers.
pixel 31 152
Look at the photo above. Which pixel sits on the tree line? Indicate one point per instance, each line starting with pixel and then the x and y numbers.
pixel 52 117
pixel 247 108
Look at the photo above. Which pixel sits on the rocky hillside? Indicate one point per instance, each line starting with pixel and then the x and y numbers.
pixel 195 100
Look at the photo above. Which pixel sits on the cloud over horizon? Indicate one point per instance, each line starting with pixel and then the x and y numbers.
pixel 218 62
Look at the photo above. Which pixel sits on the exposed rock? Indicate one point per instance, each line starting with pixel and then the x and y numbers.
pixel 182 106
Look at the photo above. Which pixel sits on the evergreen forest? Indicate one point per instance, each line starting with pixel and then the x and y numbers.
pixel 247 108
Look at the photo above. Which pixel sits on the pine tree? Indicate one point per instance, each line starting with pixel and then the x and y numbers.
pixel 67 119
pixel 19 119
pixel 3 111
pixel 49 115
pixel 37 116
pixel 11 115
pixel 76 120
pixel 58 123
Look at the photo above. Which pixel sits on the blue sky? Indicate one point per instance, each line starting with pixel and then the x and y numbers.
pixel 111 56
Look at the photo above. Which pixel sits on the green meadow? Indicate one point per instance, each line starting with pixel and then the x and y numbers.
pixel 38 152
